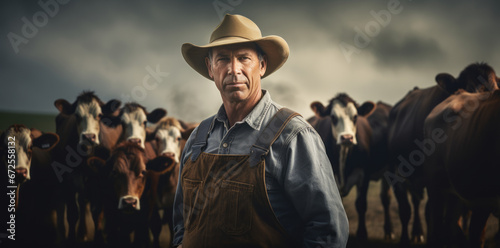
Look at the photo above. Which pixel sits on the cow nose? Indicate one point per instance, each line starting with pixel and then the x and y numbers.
pixel 89 136
pixel 346 139
pixel 135 140
pixel 22 172
pixel 129 202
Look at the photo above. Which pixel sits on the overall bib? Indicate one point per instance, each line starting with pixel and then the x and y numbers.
pixel 225 197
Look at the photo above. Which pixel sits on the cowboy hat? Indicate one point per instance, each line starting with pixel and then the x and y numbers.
pixel 237 29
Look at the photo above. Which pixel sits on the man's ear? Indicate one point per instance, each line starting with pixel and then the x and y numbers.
pixel 263 65
pixel 209 67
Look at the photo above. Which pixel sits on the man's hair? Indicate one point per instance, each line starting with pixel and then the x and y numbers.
pixel 260 53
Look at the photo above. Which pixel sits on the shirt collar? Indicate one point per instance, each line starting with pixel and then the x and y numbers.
pixel 255 117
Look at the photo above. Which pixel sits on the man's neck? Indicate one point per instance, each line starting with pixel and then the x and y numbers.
pixel 237 111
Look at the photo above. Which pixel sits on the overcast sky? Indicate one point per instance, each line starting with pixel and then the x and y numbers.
pixel 110 47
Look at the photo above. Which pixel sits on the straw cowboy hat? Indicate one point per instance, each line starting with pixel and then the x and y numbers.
pixel 236 29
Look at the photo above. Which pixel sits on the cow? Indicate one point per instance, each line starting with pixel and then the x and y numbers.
pixel 355 138
pixel 406 122
pixel 167 142
pixel 26 156
pixel 129 125
pixel 78 125
pixel 124 177
pixel 463 169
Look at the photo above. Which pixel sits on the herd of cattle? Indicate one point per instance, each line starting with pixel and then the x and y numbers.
pixel 123 162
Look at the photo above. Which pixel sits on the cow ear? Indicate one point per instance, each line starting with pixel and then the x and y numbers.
pixel 111 121
pixel 366 108
pixel 156 115
pixel 447 82
pixel 160 164
pixel 96 164
pixel 46 141
pixel 318 109
pixel 64 107
pixel 111 108
pixel 187 132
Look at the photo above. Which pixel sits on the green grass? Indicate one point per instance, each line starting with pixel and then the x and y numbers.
pixel 42 122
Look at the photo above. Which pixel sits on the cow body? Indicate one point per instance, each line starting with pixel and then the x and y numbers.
pixel 355 138
pixel 406 122
pixel 465 166
pixel 163 172
pixel 27 153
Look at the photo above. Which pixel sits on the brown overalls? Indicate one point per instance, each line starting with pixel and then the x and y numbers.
pixel 225 197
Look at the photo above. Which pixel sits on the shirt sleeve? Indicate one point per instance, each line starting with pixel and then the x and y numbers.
pixel 178 219
pixel 309 182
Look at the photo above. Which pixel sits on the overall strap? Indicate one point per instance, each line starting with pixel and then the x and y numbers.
pixel 270 133
pixel 200 141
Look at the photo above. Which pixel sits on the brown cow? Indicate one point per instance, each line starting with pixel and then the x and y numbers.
pixel 78 125
pixel 163 171
pixel 124 180
pixel 355 138
pixel 464 139
pixel 26 155
pixel 406 121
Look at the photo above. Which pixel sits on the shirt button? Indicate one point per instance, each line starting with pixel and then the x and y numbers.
pixel 224 145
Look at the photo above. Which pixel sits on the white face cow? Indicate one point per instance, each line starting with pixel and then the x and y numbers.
pixel 88 115
pixel 21 139
pixel 168 136
pixel 134 118
pixel 344 113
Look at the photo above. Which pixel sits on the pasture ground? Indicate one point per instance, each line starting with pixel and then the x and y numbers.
pixel 375 220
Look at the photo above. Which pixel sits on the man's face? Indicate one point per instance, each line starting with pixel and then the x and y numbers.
pixel 236 71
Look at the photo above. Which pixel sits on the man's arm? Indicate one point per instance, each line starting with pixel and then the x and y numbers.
pixel 310 184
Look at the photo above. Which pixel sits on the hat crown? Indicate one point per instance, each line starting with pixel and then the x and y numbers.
pixel 236 26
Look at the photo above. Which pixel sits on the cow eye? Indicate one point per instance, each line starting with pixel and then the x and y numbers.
pixel 334 119
pixel 99 116
pixel 179 139
pixel 143 173
pixel 145 122
pixel 355 118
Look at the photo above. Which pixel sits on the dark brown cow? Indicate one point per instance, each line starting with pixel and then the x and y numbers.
pixel 406 121
pixel 463 167
pixel 355 138
pixel 78 126
pixel 163 171
pixel 26 154
pixel 124 180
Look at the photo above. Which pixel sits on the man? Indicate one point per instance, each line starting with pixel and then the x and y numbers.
pixel 253 175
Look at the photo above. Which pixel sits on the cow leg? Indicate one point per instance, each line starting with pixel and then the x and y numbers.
pixel 417 234
pixel 434 212
pixel 82 225
pixel 454 235
pixel 72 217
pixel 404 212
pixel 477 228
pixel 385 197
pixel 155 225
pixel 361 203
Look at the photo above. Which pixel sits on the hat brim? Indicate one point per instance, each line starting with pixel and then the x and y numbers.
pixel 275 48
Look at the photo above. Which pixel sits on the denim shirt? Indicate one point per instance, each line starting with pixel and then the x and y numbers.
pixel 299 178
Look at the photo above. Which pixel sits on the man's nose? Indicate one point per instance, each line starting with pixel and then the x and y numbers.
pixel 234 67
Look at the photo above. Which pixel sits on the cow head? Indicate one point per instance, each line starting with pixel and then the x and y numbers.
pixel 87 110
pixel 125 175
pixel 169 137
pixel 17 143
pixel 134 118
pixel 477 77
pixel 343 112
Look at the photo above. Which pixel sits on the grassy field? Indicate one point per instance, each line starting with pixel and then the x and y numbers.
pixel 42 122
